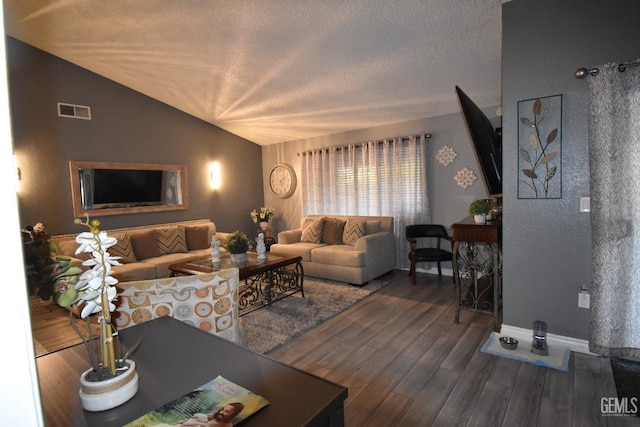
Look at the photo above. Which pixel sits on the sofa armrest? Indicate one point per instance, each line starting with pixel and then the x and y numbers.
pixel 290 236
pixel 380 249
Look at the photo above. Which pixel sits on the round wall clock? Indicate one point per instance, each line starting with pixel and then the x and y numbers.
pixel 282 180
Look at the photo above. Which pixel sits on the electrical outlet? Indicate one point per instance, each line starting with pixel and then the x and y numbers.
pixel 584 300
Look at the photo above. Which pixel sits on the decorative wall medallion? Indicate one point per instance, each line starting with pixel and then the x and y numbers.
pixel 540 148
pixel 446 155
pixel 465 177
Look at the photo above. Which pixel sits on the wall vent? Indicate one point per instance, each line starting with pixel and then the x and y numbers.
pixel 74 111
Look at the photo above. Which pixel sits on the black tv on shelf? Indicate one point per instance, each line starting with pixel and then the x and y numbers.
pixel 487 143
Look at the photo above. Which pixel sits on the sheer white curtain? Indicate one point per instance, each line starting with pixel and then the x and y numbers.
pixel 387 177
pixel 614 162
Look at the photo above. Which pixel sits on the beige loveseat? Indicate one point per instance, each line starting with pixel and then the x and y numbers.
pixel 147 251
pixel 352 249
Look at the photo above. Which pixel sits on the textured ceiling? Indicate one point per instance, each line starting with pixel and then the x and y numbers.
pixel 280 70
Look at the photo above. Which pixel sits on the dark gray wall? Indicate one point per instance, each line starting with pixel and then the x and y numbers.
pixel 546 243
pixel 126 126
pixel 449 202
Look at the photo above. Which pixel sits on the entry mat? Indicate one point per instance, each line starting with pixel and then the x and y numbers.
pixel 627 376
pixel 558 357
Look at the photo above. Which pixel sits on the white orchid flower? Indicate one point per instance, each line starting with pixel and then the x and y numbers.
pixel 93 278
pixel 90 242
pixel 94 305
pixel 96 256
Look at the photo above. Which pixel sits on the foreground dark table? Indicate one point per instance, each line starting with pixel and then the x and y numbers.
pixel 176 358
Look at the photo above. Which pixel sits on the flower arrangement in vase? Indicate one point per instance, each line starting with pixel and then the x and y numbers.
pixel 262 216
pixel 94 293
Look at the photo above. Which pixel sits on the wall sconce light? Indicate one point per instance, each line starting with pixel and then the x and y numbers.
pixel 214 176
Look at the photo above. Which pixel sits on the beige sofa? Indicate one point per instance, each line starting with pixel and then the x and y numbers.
pixel 363 249
pixel 147 251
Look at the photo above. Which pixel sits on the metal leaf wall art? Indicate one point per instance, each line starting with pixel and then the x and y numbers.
pixel 540 148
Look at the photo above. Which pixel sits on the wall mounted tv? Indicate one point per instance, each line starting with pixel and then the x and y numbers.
pixel 487 144
pixel 110 188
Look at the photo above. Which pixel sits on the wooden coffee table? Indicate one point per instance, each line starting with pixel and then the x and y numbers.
pixel 265 281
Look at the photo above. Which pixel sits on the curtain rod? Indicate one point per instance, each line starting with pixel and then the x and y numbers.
pixel 581 73
pixel 426 136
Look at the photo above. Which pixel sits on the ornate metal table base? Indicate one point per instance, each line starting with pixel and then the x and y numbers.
pixel 478 278
pixel 266 287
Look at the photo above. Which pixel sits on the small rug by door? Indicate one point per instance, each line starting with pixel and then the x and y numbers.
pixel 627 377
pixel 558 357
pixel 271 327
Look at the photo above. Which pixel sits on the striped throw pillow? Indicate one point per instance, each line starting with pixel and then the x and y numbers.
pixel 123 249
pixel 312 231
pixel 171 240
pixel 353 230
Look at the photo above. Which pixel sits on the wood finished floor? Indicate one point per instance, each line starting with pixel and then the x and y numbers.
pixel 407 363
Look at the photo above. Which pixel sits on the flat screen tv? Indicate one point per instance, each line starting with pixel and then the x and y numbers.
pixel 107 188
pixel 487 143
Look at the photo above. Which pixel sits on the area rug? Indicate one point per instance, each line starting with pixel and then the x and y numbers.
pixel 270 327
pixel 627 377
pixel 558 357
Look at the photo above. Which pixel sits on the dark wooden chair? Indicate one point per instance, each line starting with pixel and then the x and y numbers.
pixel 426 232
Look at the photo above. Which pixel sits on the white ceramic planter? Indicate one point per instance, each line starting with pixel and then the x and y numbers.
pixel 238 258
pixel 264 225
pixel 480 219
pixel 107 394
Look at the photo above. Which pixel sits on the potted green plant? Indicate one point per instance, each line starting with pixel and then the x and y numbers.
pixel 46 272
pixel 237 245
pixel 479 209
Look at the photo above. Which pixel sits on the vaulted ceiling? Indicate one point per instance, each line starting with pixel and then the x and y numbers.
pixel 280 70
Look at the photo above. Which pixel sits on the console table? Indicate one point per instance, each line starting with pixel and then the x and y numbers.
pixel 477 267
pixel 176 358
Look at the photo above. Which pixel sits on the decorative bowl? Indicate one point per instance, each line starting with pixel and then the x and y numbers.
pixel 509 343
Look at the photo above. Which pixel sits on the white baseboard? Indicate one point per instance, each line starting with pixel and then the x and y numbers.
pixel 526 335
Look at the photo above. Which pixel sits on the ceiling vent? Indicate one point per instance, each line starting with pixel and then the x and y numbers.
pixel 74 111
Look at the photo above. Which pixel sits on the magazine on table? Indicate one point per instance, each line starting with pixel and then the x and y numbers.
pixel 216 403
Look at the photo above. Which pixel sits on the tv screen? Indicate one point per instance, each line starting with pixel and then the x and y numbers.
pixel 126 187
pixel 487 143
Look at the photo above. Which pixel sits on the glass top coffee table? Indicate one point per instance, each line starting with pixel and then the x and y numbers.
pixel 266 281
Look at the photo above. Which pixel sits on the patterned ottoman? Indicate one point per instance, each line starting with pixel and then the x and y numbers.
pixel 207 301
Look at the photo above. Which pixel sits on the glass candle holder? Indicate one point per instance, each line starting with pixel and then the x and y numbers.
pixel 539 343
